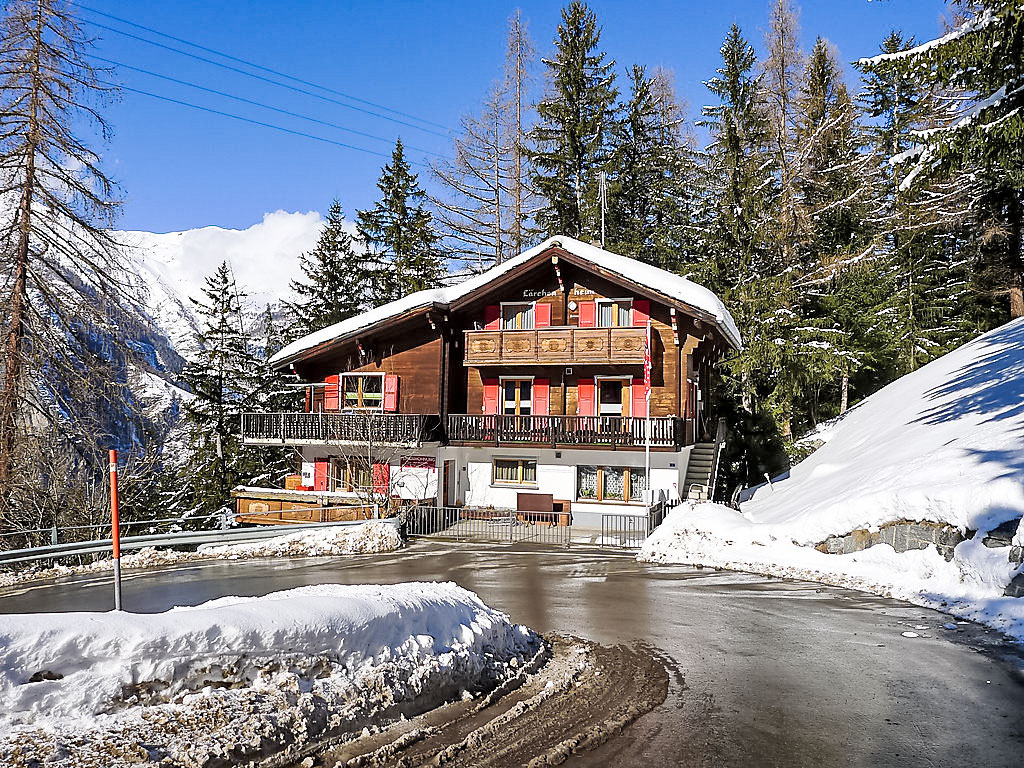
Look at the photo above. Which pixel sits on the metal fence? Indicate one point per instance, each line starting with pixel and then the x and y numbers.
pixel 630 531
pixel 171 539
pixel 485 525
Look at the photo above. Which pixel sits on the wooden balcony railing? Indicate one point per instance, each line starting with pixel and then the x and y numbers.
pixel 556 346
pixel 611 431
pixel 369 427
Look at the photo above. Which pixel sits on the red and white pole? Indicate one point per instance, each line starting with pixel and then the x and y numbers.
pixel 115 530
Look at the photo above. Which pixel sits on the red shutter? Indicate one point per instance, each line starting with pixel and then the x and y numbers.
pixel 490 396
pixel 585 396
pixel 381 478
pixel 390 393
pixel 309 399
pixel 641 312
pixel 331 397
pixel 639 405
pixel 320 475
pixel 541 315
pixel 492 317
pixel 541 397
pixel 588 314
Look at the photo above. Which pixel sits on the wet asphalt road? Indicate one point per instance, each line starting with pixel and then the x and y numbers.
pixel 765 672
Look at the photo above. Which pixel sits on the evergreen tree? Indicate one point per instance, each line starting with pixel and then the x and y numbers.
pixel 924 280
pixel 335 285
pixel 402 246
pixel 224 377
pixel 833 187
pixel 571 141
pixel 976 70
pixel 651 162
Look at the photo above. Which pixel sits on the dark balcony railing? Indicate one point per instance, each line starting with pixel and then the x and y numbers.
pixel 298 428
pixel 613 431
pixel 556 346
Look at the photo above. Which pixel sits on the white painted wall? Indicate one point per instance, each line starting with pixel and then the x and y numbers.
pixel 407 482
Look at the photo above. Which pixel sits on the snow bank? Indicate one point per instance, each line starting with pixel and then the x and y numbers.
pixel 288 668
pixel 970 586
pixel 942 444
pixel 370 537
pixel 373 536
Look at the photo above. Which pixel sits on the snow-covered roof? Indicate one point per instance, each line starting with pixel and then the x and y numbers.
pixel 667 284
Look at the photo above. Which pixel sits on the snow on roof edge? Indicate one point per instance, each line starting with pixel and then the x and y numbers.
pixel 657 279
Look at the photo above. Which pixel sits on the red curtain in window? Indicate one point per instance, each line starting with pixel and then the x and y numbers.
pixel 641 312
pixel 331 391
pixel 390 393
pixel 490 396
pixel 492 317
pixel 586 396
pixel 541 315
pixel 588 314
pixel 541 397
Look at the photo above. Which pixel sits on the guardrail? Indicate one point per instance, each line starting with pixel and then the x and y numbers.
pixel 221 536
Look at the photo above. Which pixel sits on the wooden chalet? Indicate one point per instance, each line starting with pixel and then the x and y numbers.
pixel 526 379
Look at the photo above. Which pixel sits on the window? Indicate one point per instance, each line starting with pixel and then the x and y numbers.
pixel 614 313
pixel 363 391
pixel 517 317
pixel 613 397
pixel 514 472
pixel 610 483
pixel 350 475
pixel 517 397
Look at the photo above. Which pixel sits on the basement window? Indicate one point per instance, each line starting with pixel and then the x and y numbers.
pixel 610 483
pixel 514 472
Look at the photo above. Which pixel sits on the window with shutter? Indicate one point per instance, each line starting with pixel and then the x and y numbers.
pixel 588 314
pixel 490 404
pixel 390 393
pixel 541 396
pixel 585 397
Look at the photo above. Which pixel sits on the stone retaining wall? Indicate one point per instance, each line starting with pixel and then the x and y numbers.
pixel 901 535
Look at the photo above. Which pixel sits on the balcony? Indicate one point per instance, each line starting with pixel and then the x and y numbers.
pixel 338 428
pixel 556 346
pixel 567 431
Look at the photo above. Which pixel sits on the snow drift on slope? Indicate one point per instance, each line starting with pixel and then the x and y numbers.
pixel 231 675
pixel 942 444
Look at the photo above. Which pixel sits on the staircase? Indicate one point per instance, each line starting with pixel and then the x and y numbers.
pixel 702 468
pixel 699 470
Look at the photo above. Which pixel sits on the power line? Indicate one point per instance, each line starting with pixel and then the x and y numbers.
pixel 267 79
pixel 258 104
pixel 252 121
pixel 257 66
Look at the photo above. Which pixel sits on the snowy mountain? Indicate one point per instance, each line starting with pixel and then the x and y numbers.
pixel 928 466
pixel 173 266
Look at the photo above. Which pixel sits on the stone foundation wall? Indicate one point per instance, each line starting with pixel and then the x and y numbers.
pixel 901 535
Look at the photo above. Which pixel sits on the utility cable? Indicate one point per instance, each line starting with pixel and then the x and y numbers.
pixel 253 122
pixel 258 104
pixel 268 80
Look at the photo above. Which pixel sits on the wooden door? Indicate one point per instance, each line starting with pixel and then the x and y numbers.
pixel 447 476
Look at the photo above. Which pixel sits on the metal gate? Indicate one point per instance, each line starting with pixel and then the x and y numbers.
pixel 485 525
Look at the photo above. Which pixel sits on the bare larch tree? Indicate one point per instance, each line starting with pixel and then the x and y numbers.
pixel 60 269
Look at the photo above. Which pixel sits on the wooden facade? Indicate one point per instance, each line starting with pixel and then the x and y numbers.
pixel 555 337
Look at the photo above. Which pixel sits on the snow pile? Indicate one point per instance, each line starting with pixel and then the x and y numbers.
pixel 371 537
pixel 941 444
pixel 374 536
pixel 238 678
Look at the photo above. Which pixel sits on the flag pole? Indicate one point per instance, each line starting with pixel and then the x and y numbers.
pixel 647 422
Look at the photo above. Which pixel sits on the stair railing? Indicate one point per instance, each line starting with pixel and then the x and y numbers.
pixel 720 434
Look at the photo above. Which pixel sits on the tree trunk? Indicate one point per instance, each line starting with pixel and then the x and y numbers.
pixel 1015 254
pixel 15 341
pixel 844 399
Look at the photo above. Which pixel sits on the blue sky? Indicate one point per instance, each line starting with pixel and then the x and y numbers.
pixel 180 168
